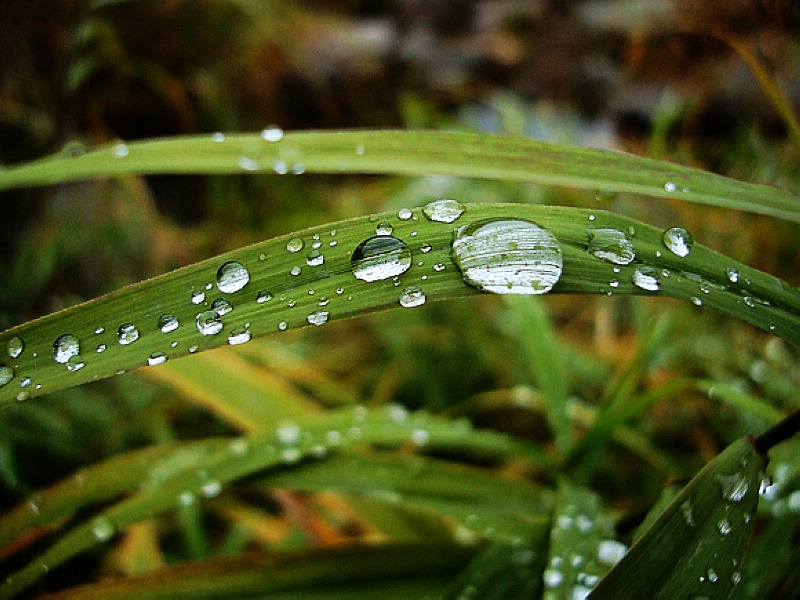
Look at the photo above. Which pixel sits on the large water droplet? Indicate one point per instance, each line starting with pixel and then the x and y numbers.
pixel 404 214
pixel 102 528
pixel 412 296
pixel 611 245
pixel 678 241
pixel 6 375
pixel 273 133
pixel 127 334
pixel 509 256
pixel 444 210
pixel 319 317
pixel 380 257
pixel 646 278
pixel 208 322
pixel 15 347
pixel 240 335
pixel 168 323
pixel 65 347
pixel 156 358
pixel 231 277
pixel 295 245
pixel 314 258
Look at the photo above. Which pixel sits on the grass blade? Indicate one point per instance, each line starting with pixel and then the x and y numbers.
pixel 411 153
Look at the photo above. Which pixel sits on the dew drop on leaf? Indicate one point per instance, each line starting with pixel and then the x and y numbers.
pixel 646 278
pixel 412 296
pixel 678 241
pixel 314 258
pixel 198 297
pixel 218 137
pixel 232 277
pixel 120 150
pixel 211 488
pixel 102 528
pixel 168 323
pixel 295 245
pixel 404 214
pixel 319 317
pixel 444 210
pixel 263 296
pixel 732 274
pixel 208 322
pixel 156 358
pixel 75 364
pixel 6 375
pixel 507 256
pixel 380 257
pixel 611 245
pixel 611 552
pixel 221 306
pixel 65 347
pixel 384 228
pixel 240 335
pixel 15 347
pixel 273 133
pixel 127 334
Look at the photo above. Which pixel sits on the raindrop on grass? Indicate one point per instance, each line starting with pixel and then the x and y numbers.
pixel 552 578
pixel 380 257
pixel 611 245
pixel 295 245
pixel 611 552
pixel 120 150
pixel 508 256
pixel 186 498
pixel 15 347
pixel 75 364
pixel 646 278
pixel 273 133
pixel 198 297
pixel 65 347
pixel 102 529
pixel 221 306
pixel 319 317
pixel 211 488
pixel 420 437
pixel 280 167
pixel 314 258
pixel 218 137
pixel 404 214
pixel 168 323
pixel 127 334
pixel 732 274
pixel 6 375
pixel 156 358
pixel 670 187
pixel 248 164
pixel 412 296
pixel 696 301
pixel 444 210
pixel 678 241
pixel 263 296
pixel 384 228
pixel 232 277
pixel 734 487
pixel 724 526
pixel 208 322
pixel 240 335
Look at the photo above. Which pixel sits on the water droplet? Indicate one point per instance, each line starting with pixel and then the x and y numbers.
pixel 591 217
pixel 65 347
pixel 283 326
pixel 611 245
pixel 120 150
pixel 360 150
pixel 412 296
pixel 15 347
pixel 678 241
pixel 724 526
pixel 6 375
pixel 380 257
pixel 404 214
pixel 240 335
pixel 646 278
pixel 734 487
pixel 444 210
pixel 248 164
pixel 102 529
pixel 186 498
pixel 425 248
pixel 509 256
pixel 208 322
pixel 211 488
pixel 198 297
pixel 23 395
pixel 611 552
pixel 319 317
pixel 99 329
pixel 218 137
pixel 420 437
pixel 156 358
pixel 168 323
pixel 314 258
pixel 712 576
pixel 273 133
pixel 75 364
pixel 280 167
pixel 688 513
pixel 552 578
pixel 614 283
pixel 288 433
pixel 732 274
pixel 232 277
pixel 323 301
pixel 127 334
pixel 384 228
pixel 264 296
pixel 696 301
pixel 670 187
pixel 101 348
pixel 221 306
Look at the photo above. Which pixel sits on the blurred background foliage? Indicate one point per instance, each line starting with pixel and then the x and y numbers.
pixel 669 80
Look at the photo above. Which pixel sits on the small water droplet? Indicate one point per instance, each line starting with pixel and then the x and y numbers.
pixel 273 133
pixel 15 347
pixel 120 150
pixel 439 267
pixel 712 576
pixel 319 317
pixel 156 358
pixel 101 348
pixel 232 277
pixel 99 329
pixel 6 375
pixel 65 347
pixel 263 296
pixel 646 278
pixel 611 245
pixel 732 274
pixel 688 513
pixel 508 256
pixel 380 257
pixel 75 363
pixel 218 137
pixel 552 578
pixel 696 301
pixel 198 297
pixel 412 296
pixel 280 167
pixel 678 241
pixel 614 283
pixel 102 529
pixel 208 322
pixel 168 323
pixel 249 164
pixel 420 437
pixel 23 395
pixel 360 150
pixel 211 488
pixel 734 487
pixel 591 217
pixel 724 526
pixel 384 228
pixel 221 306
pixel 404 214
pixel 444 210
pixel 314 258
pixel 670 187
pixel 240 335
pixel 611 552
pixel 186 498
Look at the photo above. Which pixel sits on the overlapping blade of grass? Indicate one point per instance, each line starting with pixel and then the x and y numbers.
pixel 696 546
pixel 307 278
pixel 411 153
pixel 153 481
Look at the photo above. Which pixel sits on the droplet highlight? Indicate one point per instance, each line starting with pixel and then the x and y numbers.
pixel 232 277
pixel 412 296
pixel 678 241
pixel 65 347
pixel 380 257
pixel 611 245
pixel 127 334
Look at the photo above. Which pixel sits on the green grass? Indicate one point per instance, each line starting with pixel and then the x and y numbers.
pixel 447 509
